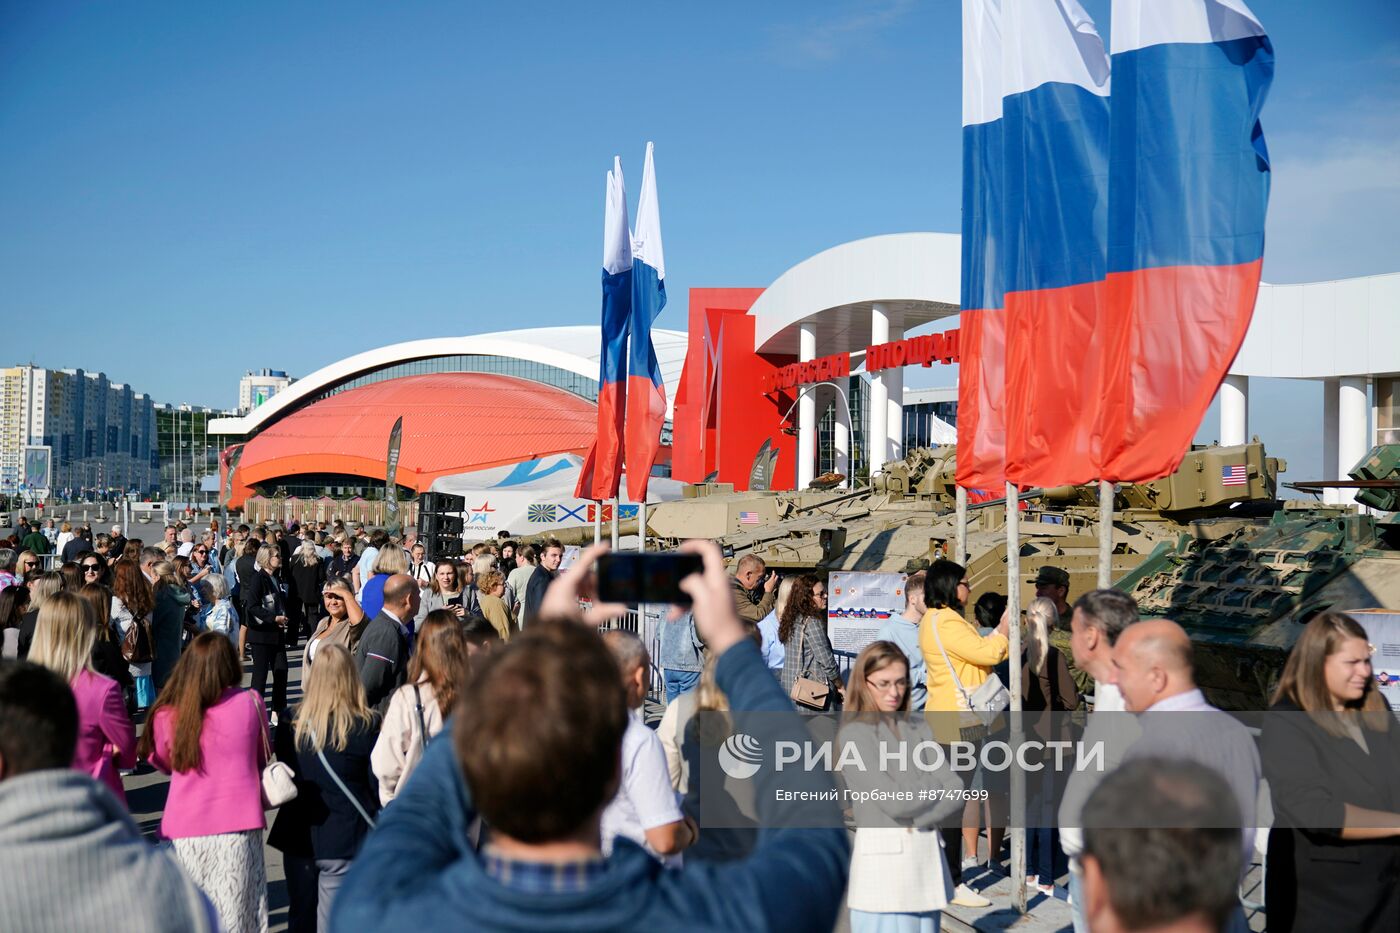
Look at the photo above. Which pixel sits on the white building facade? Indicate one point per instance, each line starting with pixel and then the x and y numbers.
pixel 257 387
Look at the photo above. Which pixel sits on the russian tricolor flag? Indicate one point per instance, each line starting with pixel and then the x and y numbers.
pixel 602 468
pixel 1188 190
pixel 1054 216
pixel 646 393
pixel 1112 241
pixel 981 460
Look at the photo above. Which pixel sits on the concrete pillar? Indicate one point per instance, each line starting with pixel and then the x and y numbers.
pixel 1352 437
pixel 894 384
pixel 1330 390
pixel 806 410
pixel 877 433
pixel 1234 411
pixel 841 436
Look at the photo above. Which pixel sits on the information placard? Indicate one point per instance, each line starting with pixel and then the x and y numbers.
pixel 858 604
pixel 1383 629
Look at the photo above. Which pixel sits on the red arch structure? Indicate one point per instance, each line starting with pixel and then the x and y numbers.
pixel 452 423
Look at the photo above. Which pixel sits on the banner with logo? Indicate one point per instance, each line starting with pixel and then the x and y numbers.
pixel 858 605
pixel 1383 629
pixel 391 469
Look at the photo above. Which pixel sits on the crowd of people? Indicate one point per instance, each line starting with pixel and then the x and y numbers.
pixel 471 747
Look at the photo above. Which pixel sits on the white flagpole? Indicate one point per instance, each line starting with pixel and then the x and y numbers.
pixel 642 527
pixel 1105 534
pixel 1017 829
pixel 960 537
pixel 597 521
pixel 616 537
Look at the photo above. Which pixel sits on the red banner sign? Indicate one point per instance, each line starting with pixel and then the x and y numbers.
pixel 923 351
pixel 920 351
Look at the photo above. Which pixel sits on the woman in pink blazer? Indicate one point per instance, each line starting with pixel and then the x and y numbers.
pixel 210 736
pixel 64 636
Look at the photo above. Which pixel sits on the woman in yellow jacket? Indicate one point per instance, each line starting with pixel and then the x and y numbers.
pixel 969 654
pixel 972 656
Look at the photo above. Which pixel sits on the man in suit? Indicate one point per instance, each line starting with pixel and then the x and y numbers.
pixel 382 653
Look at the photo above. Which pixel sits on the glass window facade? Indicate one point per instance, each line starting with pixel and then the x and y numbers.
pixel 582 386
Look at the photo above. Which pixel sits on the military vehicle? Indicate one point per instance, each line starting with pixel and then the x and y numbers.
pixel 905 518
pixel 1244 596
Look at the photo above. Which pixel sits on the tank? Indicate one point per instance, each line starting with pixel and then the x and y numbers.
pixel 1245 596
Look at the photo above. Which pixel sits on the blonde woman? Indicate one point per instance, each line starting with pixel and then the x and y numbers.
pixel 63 643
pixel 899 874
pixel 43 587
pixel 773 651
pixel 417 709
pixel 341 624
pixel 329 747
pixel 65 534
pixel 1048 692
pixel 491 590
pixel 390 560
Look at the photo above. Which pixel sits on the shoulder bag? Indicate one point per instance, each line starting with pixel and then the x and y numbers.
pixel 805 691
pixel 981 706
pixel 354 801
pixel 136 643
pixel 278 778
pixel 422 724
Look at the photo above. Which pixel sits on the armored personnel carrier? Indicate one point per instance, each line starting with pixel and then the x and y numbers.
pixel 1245 595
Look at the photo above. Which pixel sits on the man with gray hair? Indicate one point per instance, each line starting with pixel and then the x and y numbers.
pixel 1100 617
pixel 755 590
pixel 645 808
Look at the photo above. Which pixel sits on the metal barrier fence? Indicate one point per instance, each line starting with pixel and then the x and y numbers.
pixel 647 623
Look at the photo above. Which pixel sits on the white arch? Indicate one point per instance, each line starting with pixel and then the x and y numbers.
pixel 916 276
pixel 572 349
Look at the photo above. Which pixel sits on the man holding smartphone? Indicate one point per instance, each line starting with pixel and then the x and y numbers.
pixel 755 590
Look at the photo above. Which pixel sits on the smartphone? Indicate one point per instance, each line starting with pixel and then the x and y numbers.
pixel 455 600
pixel 645 578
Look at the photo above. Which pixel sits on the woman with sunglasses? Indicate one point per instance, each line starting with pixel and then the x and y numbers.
pixel 201 566
pixel 342 623
pixel 93 569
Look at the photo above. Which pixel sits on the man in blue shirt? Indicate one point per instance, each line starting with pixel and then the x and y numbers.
pixel 535 751
pixel 903 630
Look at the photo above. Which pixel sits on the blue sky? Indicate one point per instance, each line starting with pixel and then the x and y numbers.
pixel 188 191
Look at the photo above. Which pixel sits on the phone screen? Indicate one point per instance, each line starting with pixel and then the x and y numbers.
pixel 645 578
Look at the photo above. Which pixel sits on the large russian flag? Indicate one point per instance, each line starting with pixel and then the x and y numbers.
pixel 981 461
pixel 646 393
pixel 1188 188
pixel 1054 215
pixel 602 468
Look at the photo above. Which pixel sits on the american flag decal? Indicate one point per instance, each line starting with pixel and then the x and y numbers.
pixel 1234 475
pixel 748 518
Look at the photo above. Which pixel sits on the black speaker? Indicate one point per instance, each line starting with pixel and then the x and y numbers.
pixel 439 531
pixel 441 502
